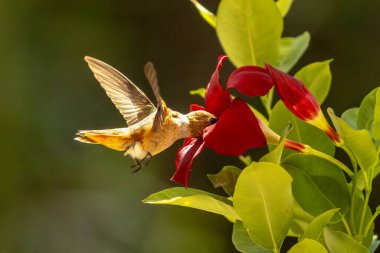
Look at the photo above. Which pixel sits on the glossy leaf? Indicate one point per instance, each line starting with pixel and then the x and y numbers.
pixel 226 178
pixel 242 241
pixel 374 245
pixel 316 183
pixel 339 242
pixel 308 246
pixel 246 33
pixel 208 16
pixel 317 78
pixel 368 116
pixel 284 6
pixel 301 219
pixel 302 132
pixel 265 208
pixel 315 229
pixel 351 117
pixel 360 143
pixel 291 50
pixel 275 155
pixel 193 198
pixel 357 210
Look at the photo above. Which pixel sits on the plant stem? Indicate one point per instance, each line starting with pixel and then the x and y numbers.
pixel 345 223
pixel 310 151
pixel 366 200
pixel 374 216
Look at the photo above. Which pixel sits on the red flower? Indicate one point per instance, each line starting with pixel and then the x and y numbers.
pixel 253 81
pixel 299 100
pixel 236 130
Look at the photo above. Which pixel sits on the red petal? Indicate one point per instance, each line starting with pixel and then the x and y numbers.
pixel 250 81
pixel 185 156
pixel 294 94
pixel 217 99
pixel 195 107
pixel 235 131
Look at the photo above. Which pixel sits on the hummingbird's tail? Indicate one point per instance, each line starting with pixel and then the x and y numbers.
pixel 111 138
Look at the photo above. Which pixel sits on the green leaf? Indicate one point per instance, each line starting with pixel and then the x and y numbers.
pixel 201 92
pixel 284 6
pixel 243 242
pixel 263 199
pixel 302 132
pixel 360 143
pixel 315 229
pixel 351 117
pixel 376 118
pixel 275 155
pixel 301 219
pixel 357 210
pixel 308 246
pixel 246 159
pixel 290 51
pixel 249 31
pixel 317 78
pixel 208 16
pixel 339 242
pixel 226 178
pixel 193 198
pixel 369 114
pixel 374 245
pixel 316 183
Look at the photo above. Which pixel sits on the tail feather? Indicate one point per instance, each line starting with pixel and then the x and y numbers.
pixel 112 138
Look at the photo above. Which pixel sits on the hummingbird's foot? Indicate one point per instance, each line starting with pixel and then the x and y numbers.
pixel 136 167
pixel 145 161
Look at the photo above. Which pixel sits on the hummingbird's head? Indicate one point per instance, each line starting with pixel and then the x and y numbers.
pixel 198 121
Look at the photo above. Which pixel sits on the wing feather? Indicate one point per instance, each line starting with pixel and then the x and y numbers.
pixel 132 103
pixel 151 76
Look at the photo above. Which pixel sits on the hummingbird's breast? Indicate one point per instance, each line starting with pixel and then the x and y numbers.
pixel 174 127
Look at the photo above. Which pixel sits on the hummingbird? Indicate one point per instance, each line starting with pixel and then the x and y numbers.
pixel 150 129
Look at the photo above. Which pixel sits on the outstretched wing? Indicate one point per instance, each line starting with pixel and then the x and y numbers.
pixel 151 76
pixel 132 103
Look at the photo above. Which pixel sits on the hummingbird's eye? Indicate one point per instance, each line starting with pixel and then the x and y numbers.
pixel 213 120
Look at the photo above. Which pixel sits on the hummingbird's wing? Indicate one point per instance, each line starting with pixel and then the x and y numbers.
pixel 151 75
pixel 132 103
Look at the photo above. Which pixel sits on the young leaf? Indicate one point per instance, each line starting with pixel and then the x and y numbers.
pixel 308 246
pixel 369 114
pixel 316 183
pixel 247 34
pixel 263 199
pixel 208 16
pixel 351 117
pixel 201 92
pixel 376 118
pixel 290 50
pixel 243 242
pixel 360 143
pixel 226 178
pixel 374 245
pixel 275 155
pixel 315 229
pixel 317 78
pixel 284 6
pixel 302 132
pixel 339 242
pixel 193 198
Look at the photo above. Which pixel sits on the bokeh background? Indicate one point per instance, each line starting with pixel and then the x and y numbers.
pixel 57 195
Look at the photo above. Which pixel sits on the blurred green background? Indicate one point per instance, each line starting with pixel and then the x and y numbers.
pixel 57 195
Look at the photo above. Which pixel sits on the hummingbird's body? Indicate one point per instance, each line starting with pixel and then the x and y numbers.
pixel 151 130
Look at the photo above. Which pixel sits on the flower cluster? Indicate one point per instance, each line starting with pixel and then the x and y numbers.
pixel 237 128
